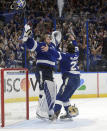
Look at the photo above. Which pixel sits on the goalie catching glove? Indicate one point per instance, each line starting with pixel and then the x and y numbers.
pixel 56 37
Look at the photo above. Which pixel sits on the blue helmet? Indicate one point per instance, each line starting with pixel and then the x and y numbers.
pixel 70 48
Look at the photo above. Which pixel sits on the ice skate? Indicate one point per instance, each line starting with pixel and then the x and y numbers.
pixel 66 116
pixel 40 117
pixel 72 112
pixel 54 117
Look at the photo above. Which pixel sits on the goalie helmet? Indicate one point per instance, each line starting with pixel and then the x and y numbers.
pixel 18 4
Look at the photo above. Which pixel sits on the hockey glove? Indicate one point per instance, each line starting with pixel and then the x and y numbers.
pixel 27 32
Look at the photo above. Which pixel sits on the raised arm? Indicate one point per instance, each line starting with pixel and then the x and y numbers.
pixel 27 38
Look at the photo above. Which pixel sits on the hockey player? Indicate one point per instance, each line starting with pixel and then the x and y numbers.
pixel 45 64
pixel 71 80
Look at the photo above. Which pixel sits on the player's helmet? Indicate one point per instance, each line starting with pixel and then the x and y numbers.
pixel 70 48
pixel 18 4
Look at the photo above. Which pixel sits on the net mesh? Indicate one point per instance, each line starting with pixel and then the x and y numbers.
pixel 14 95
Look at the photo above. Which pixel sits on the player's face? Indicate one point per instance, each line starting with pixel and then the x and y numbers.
pixel 48 40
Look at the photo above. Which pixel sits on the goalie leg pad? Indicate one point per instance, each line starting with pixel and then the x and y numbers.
pixel 42 107
pixel 47 101
pixel 50 93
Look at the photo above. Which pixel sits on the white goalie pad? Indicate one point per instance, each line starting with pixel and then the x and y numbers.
pixel 47 102
pixel 42 108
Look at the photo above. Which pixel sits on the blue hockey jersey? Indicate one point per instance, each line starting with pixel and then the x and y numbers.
pixel 43 58
pixel 69 62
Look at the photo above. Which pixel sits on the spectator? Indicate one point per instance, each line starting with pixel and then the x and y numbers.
pixel 11 63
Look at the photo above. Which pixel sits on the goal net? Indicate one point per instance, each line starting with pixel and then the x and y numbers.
pixel 14 96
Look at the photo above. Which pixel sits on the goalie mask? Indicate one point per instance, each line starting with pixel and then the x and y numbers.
pixel 70 48
pixel 18 4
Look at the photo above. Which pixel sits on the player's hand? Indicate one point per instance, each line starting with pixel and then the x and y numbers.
pixel 44 48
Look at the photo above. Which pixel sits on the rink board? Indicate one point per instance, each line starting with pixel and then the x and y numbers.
pixel 92 85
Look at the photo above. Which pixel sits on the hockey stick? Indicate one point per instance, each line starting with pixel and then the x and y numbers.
pixel 20 6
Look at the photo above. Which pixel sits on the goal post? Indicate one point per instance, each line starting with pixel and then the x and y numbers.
pixel 20 76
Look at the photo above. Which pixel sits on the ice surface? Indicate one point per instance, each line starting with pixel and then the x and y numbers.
pixel 92 117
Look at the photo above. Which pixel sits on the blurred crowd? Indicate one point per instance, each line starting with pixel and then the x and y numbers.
pixel 86 17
